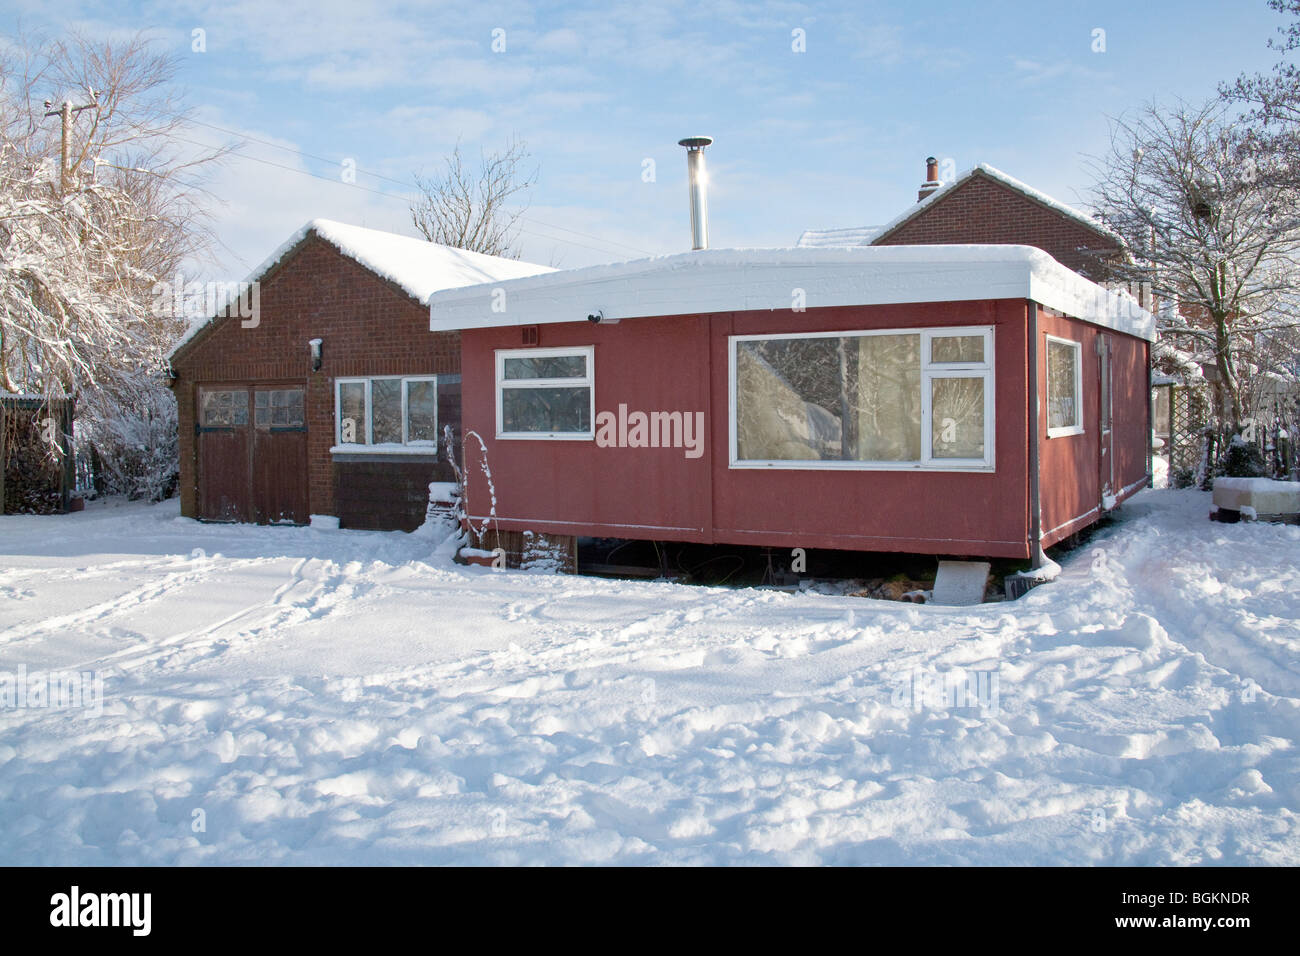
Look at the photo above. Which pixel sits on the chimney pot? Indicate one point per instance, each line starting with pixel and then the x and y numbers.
pixel 931 178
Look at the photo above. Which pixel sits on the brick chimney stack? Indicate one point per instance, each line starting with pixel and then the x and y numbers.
pixel 931 178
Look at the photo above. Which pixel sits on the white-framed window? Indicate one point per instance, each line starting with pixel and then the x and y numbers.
pixel 889 399
pixel 387 412
pixel 1064 387
pixel 546 393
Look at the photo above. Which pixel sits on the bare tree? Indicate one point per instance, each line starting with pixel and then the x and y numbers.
pixel 83 246
pixel 1212 222
pixel 1274 97
pixel 468 208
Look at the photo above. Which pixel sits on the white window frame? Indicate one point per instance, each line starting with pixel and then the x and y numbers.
pixel 930 371
pixel 368 445
pixel 1064 430
pixel 587 381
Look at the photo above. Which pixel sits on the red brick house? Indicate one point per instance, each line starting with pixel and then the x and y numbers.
pixel 331 399
pixel 986 206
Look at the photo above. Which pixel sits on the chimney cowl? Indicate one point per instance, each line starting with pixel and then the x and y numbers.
pixel 931 179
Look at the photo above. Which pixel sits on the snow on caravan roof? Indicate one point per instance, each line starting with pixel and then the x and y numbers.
pixel 417 266
pixel 743 280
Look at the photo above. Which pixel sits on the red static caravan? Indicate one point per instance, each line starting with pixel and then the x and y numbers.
pixel 872 399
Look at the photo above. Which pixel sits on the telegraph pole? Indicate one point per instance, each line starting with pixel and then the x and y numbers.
pixel 66 112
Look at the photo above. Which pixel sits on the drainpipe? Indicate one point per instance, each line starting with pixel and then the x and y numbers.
pixel 1035 502
pixel 1151 454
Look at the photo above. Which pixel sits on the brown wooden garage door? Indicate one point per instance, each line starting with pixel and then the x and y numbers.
pixel 253 454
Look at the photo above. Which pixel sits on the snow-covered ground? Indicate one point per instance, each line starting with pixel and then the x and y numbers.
pixel 276 695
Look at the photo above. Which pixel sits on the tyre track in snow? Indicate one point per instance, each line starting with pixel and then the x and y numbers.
pixel 322 593
pixel 133 599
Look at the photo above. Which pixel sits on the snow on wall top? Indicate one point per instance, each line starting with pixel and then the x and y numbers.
pixel 417 266
pixel 996 174
pixel 32 396
pixel 740 280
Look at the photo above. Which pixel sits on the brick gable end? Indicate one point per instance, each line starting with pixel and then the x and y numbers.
pixel 982 210
pixel 369 326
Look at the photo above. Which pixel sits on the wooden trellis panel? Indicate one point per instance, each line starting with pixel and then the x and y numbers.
pixel 1189 413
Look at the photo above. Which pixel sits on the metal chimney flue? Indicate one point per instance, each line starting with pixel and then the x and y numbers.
pixel 698 178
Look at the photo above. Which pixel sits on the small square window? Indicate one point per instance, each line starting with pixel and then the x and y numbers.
pixel 960 349
pixel 1064 388
pixel 545 393
pixel 224 408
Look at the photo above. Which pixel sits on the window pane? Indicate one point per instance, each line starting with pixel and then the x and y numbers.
pixel 224 408
pixel 421 412
pixel 558 366
pixel 386 416
pixel 1062 402
pixel 888 397
pixel 546 409
pixel 957 417
pixel 957 348
pixel 262 409
pixel 789 401
pixel 855 398
pixel 284 407
pixel 352 412
pixel 214 414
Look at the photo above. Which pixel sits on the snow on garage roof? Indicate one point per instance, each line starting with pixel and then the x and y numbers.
pixel 741 280
pixel 417 266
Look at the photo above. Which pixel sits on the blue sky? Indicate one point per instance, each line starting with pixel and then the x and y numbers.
pixel 834 136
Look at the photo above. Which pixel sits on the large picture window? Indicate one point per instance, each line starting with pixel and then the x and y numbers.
pixel 386 413
pixel 895 399
pixel 1064 391
pixel 545 393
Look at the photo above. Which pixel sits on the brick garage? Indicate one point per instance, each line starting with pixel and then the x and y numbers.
pixel 259 428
